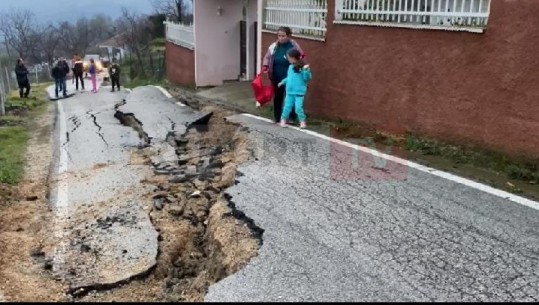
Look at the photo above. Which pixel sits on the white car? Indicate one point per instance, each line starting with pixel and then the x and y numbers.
pixel 96 58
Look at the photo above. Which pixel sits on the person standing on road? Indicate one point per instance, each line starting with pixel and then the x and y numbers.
pixel 58 73
pixel 299 74
pixel 114 74
pixel 93 75
pixel 78 71
pixel 276 64
pixel 64 71
pixel 22 78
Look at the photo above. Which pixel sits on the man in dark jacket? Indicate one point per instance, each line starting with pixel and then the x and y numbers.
pixel 114 73
pixel 64 68
pixel 59 74
pixel 78 71
pixel 22 78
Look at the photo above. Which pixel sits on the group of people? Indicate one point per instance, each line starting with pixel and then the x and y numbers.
pixel 290 76
pixel 61 70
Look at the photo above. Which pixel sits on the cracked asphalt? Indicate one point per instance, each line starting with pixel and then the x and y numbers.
pixel 104 233
pixel 339 225
pixel 342 226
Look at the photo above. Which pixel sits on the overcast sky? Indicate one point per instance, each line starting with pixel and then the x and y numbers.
pixel 71 10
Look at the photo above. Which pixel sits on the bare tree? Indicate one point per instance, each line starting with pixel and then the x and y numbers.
pixel 136 33
pixel 49 40
pixel 85 34
pixel 19 31
pixel 176 10
pixel 78 37
pixel 102 28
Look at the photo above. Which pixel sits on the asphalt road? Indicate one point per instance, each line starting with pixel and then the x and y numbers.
pixel 104 233
pixel 341 225
pixel 102 228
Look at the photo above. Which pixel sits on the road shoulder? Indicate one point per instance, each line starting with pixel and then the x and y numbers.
pixel 25 222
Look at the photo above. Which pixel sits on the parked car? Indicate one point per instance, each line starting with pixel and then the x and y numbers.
pixel 97 60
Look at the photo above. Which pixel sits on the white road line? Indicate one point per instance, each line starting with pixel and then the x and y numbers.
pixel 476 185
pixel 165 92
pixel 168 95
pixel 62 200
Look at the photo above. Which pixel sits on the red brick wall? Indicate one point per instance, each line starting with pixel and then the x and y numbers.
pixel 468 88
pixel 180 64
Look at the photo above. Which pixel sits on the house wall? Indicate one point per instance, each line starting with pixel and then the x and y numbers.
pixel 180 64
pixel 217 41
pixel 462 87
pixel 252 17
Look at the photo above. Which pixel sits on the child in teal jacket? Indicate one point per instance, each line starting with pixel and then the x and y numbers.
pixel 296 81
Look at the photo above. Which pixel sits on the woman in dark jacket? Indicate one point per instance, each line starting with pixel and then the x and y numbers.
pixel 78 71
pixel 276 65
pixel 22 78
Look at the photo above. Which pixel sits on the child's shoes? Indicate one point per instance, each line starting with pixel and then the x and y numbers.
pixel 283 123
pixel 303 125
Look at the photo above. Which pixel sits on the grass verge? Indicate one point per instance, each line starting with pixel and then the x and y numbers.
pixel 14 131
pixel 12 147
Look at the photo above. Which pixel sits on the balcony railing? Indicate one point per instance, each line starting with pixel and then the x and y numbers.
pixel 455 15
pixel 180 34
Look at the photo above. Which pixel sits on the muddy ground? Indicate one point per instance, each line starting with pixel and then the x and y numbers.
pixel 202 237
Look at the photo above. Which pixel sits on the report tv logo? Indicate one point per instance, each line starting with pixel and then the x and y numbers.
pixel 362 159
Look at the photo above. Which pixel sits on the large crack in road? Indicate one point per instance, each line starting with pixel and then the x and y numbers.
pixel 99 133
pixel 144 215
pixel 148 221
pixel 102 237
pixel 203 238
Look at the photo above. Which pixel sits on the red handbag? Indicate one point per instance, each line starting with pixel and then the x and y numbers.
pixel 262 89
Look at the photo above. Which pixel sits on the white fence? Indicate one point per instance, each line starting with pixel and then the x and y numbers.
pixel 304 17
pixel 456 15
pixel 181 34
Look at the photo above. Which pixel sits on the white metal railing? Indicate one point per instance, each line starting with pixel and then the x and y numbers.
pixel 457 15
pixel 180 34
pixel 304 17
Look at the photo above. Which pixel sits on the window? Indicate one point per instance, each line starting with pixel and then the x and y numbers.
pixel 306 18
pixel 456 15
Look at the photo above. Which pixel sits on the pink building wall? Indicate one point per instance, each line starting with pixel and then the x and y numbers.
pixel 217 41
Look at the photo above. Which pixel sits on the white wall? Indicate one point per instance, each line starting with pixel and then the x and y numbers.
pixel 217 41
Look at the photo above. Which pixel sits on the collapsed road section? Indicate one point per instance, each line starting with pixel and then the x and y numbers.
pixel 101 235
pixel 193 156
